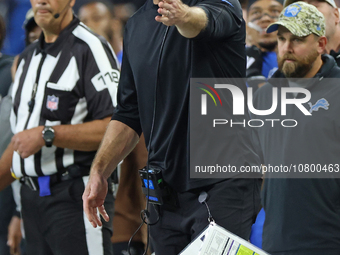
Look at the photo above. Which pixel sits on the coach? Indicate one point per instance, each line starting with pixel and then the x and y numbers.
pixel 180 40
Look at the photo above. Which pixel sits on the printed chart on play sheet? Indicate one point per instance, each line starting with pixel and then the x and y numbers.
pixel 215 240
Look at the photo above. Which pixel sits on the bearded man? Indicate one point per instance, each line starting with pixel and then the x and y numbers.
pixel 303 207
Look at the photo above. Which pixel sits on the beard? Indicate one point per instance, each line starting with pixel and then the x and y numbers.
pixel 300 67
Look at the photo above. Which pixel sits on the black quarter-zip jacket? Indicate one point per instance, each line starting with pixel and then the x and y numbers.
pixel 218 51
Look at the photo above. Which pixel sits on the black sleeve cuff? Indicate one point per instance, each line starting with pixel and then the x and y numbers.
pixel 17 213
pixel 135 125
pixel 222 21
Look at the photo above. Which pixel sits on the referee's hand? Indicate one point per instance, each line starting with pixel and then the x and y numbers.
pixel 28 142
pixel 93 198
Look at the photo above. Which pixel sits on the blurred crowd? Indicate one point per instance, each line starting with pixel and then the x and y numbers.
pixel 108 18
pixel 14 13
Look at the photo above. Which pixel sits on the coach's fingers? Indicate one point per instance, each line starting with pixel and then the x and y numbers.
pixel 90 209
pixel 103 213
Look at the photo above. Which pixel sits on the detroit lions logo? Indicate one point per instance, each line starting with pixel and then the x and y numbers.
pixel 292 10
pixel 321 103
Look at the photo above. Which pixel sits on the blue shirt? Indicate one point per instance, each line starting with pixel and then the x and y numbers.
pixel 269 65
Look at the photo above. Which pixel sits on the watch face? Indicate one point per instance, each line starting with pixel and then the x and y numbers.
pixel 48 135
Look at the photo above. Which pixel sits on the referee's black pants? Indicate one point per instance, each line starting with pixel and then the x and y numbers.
pixel 57 225
pixel 234 204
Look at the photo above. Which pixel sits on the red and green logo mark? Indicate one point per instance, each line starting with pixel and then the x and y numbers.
pixel 204 97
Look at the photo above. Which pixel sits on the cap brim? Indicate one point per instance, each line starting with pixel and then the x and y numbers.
pixel 272 27
pixel 290 26
pixel 28 23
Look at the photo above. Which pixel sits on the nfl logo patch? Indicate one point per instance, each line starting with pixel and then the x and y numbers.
pixel 52 103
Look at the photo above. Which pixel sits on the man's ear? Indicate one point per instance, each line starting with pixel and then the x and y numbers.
pixel 337 16
pixel 72 2
pixel 322 41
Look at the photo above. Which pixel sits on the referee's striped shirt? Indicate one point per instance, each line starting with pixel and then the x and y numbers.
pixel 77 83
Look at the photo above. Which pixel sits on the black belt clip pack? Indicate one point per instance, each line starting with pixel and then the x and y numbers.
pixel 155 189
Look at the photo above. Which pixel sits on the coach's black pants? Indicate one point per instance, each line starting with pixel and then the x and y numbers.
pixel 234 204
pixel 57 225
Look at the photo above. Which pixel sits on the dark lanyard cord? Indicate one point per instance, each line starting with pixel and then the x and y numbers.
pixel 35 86
pixel 145 213
pixel 31 103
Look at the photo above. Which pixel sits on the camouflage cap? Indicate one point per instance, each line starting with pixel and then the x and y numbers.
pixel 330 2
pixel 301 19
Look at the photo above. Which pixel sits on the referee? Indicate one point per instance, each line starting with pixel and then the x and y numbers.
pixel 63 98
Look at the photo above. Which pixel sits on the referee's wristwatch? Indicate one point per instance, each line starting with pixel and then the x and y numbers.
pixel 48 135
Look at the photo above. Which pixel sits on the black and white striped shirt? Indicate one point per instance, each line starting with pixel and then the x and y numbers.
pixel 77 83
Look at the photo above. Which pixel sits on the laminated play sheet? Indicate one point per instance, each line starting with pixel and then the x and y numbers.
pixel 215 240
